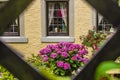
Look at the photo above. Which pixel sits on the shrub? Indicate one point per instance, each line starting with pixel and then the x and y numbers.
pixel 93 39
pixel 64 57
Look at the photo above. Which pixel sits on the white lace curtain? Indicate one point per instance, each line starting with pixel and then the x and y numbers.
pixel 62 13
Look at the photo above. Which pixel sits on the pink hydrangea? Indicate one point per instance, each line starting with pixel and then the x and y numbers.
pixel 44 58
pixel 60 64
pixel 74 57
pixel 53 55
pixel 64 54
pixel 66 66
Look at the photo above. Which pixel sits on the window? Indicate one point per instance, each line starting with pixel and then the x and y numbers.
pixel 101 24
pixel 14 26
pixel 15 33
pixel 13 29
pixel 57 20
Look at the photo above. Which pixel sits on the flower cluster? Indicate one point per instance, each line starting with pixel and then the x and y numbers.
pixel 63 57
pixel 93 39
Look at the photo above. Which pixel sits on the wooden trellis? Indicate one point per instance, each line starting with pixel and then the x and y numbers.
pixel 15 64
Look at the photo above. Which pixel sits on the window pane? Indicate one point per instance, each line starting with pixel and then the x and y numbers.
pixel 103 25
pixel 13 30
pixel 57 18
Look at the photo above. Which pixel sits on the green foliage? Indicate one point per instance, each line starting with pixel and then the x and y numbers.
pixel 5 74
pixel 47 72
pixel 93 39
pixel 103 68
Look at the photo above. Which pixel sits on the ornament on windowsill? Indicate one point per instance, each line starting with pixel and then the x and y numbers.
pixel 56 29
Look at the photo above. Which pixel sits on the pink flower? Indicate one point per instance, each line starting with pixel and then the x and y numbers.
pixel 64 49
pixel 72 47
pixel 77 46
pixel 65 54
pixel 66 66
pixel 60 64
pixel 85 60
pixel 45 51
pixel 45 58
pixel 83 52
pixel 53 55
pixel 58 52
pixel 74 57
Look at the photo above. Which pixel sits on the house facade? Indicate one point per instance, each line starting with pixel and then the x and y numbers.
pixel 49 21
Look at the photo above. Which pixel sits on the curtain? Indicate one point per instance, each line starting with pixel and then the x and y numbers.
pixel 51 11
pixel 100 18
pixel 64 16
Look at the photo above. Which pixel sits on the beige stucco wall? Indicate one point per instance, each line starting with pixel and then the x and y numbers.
pixel 32 23
pixel 83 18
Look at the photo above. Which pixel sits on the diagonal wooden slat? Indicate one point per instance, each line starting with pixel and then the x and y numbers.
pixel 108 8
pixel 14 63
pixel 11 11
pixel 111 50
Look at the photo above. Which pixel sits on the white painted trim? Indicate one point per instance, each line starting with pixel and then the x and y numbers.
pixel 14 39
pixel 21 24
pixel 57 39
pixel 93 17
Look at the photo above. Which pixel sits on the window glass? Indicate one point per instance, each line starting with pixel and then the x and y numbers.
pixel 57 18
pixel 103 25
pixel 13 29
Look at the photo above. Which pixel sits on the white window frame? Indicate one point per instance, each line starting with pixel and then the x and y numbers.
pixel 46 38
pixel 20 38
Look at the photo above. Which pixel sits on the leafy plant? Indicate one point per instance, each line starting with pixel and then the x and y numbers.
pixel 63 58
pixel 5 74
pixel 47 72
pixel 93 39
pixel 101 71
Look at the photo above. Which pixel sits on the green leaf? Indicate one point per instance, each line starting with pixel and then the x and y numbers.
pixel 62 73
pixel 67 59
pixel 71 61
pixel 74 65
pixel 104 67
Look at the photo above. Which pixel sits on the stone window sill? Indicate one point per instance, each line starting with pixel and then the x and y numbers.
pixel 57 39
pixel 14 39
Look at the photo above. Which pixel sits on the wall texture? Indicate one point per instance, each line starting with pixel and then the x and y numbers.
pixel 32 23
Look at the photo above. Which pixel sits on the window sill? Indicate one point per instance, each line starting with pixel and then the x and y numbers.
pixel 57 39
pixel 14 39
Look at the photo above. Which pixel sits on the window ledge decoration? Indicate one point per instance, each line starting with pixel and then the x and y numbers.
pixel 14 39
pixel 57 39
